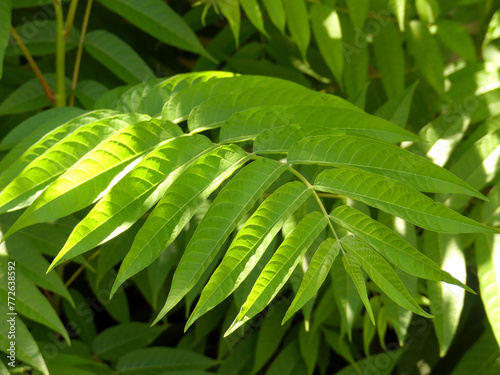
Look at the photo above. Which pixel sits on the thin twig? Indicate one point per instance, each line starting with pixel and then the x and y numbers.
pixel 34 66
pixel 60 56
pixel 79 52
pixel 71 16
pixel 81 268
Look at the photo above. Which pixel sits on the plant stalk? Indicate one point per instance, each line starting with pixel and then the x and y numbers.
pixel 79 52
pixel 60 56
pixel 71 16
pixel 46 88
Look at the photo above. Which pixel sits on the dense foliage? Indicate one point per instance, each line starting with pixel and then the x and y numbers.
pixel 250 187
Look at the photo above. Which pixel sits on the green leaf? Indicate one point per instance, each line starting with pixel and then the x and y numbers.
pixel 89 91
pixel 425 50
pixel 248 124
pixel 390 245
pixel 32 129
pixel 30 260
pixel 117 56
pixel 27 349
pixel 29 301
pixel 158 360
pixel 133 195
pixel 353 269
pixel 478 166
pixel 347 299
pixel 249 244
pixel 382 274
pixel 309 343
pixel 81 317
pixel 240 194
pixel 428 10
pixel 270 334
pixel 389 360
pixel 399 317
pixel 40 38
pixel 397 199
pixel 454 37
pixel 40 141
pixel 390 59
pixel 378 157
pixel 118 340
pixel 62 155
pixel 487 249
pixel 280 267
pixel 29 96
pixel 316 273
pixel 399 8
pixel 230 9
pixel 152 102
pixel 369 327
pixel 446 301
pixel 337 343
pixel 155 17
pixel 328 34
pixel 397 109
pixel 5 16
pixel 213 113
pixel 481 358
pixel 253 12
pixel 358 10
pixel 97 171
pixel 182 102
pixel 276 11
pixel 297 21
pixel 180 202
pixel 288 361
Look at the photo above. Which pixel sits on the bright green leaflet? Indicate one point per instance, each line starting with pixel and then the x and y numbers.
pixel 32 129
pixel 62 155
pixel 353 269
pixel 42 140
pixel 397 199
pixel 212 113
pixel 378 157
pixel 180 202
pixel 230 9
pixel 248 124
pixel 316 273
pixel 393 247
pixel 382 274
pixel 133 195
pixel 280 267
pixel 226 211
pixel 250 243
pixel 92 175
pixel 181 103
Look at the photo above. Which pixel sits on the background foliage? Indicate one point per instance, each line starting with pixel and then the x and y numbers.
pixel 285 218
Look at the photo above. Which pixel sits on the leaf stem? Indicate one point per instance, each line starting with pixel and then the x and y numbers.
pixel 46 88
pixel 71 16
pixel 81 268
pixel 318 199
pixel 79 52
pixel 60 56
